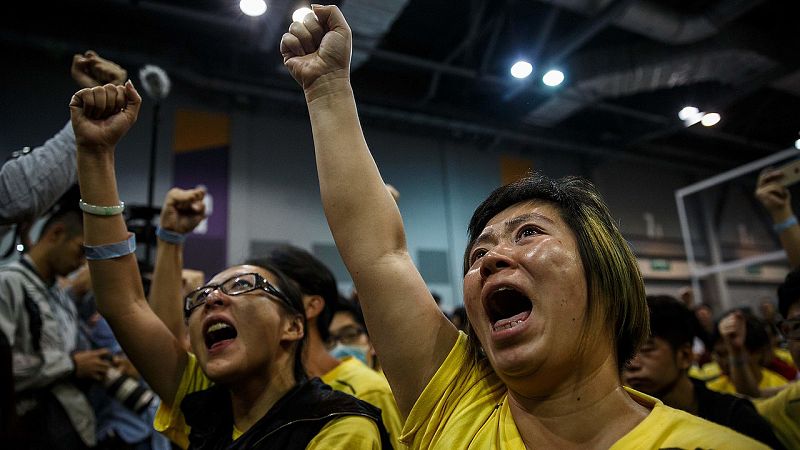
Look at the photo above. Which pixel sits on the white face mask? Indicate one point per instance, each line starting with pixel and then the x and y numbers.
pixel 341 351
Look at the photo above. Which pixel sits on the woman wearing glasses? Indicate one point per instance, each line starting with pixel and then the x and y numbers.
pixel 243 385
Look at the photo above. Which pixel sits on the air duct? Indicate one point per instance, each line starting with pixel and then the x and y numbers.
pixel 654 20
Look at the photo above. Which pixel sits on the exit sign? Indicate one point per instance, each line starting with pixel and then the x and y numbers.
pixel 660 265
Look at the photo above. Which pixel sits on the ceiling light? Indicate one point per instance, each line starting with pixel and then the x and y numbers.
pixel 553 77
pixel 688 112
pixel 797 144
pixel 521 69
pixel 20 248
pixel 710 119
pixel 253 8
pixel 300 14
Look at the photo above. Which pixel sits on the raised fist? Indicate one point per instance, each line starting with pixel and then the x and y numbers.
pixel 183 210
pixel 733 329
pixel 773 195
pixel 103 114
pixel 318 46
pixel 90 70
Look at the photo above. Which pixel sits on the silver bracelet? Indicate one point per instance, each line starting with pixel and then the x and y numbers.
pixel 101 210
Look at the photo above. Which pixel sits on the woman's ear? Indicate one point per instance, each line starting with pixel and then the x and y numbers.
pixel 294 328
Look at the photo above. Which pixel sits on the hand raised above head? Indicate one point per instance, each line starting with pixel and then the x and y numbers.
pixel 103 114
pixel 90 70
pixel 733 329
pixel 318 47
pixel 183 209
pixel 772 194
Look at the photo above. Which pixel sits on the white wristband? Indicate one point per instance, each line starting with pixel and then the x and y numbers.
pixel 101 210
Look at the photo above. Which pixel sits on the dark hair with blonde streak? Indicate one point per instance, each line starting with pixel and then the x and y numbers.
pixel 615 291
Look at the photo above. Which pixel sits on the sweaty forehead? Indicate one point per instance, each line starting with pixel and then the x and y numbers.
pixel 531 210
pixel 241 270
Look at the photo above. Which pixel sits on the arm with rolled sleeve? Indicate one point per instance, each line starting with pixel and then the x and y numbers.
pixel 32 181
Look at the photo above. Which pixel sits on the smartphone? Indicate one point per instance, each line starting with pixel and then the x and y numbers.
pixel 791 172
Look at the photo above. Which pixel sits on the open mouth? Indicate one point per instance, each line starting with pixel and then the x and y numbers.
pixel 218 332
pixel 507 308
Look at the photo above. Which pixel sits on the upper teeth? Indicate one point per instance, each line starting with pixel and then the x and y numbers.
pixel 218 326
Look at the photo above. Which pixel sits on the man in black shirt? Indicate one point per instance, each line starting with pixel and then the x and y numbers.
pixel 661 369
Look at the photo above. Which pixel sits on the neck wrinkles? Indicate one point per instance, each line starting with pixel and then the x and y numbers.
pixel 590 407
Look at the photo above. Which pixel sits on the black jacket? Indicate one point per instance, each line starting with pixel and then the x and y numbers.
pixel 734 412
pixel 290 424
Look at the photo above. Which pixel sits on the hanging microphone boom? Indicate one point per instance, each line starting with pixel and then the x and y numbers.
pixel 155 81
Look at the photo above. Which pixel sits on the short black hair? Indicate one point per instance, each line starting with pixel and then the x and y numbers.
pixel 71 218
pixel 311 276
pixel 757 338
pixel 353 308
pixel 789 292
pixel 671 320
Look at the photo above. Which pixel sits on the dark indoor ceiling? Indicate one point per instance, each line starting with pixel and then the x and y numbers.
pixel 443 67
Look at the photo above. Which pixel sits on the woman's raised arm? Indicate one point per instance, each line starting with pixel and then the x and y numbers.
pixel 101 116
pixel 411 335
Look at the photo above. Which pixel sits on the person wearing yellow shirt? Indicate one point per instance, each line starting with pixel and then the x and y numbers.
pixel 660 367
pixel 783 409
pixel 553 295
pixel 321 304
pixel 739 348
pixel 246 326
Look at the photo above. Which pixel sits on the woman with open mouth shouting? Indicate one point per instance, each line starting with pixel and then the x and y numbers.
pixel 553 294
pixel 243 385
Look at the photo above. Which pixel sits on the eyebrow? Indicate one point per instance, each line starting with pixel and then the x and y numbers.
pixel 512 223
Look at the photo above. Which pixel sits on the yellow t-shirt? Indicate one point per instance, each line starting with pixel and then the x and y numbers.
pixel 352 432
pixel 769 379
pixel 782 411
pixel 709 371
pixel 465 406
pixel 353 377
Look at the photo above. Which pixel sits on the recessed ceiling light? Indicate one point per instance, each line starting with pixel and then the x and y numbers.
pixel 299 14
pixel 710 119
pixel 688 112
pixel 521 69
pixel 553 77
pixel 253 7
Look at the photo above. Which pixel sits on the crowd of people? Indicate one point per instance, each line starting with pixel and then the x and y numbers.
pixel 557 344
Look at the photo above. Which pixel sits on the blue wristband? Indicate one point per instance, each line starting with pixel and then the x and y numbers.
pixel 170 236
pixel 783 226
pixel 110 251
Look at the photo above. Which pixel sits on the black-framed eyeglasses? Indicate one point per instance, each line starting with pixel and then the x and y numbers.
pixel 235 285
pixel 347 335
pixel 790 329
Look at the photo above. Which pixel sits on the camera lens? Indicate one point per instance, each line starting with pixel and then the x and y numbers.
pixel 128 391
